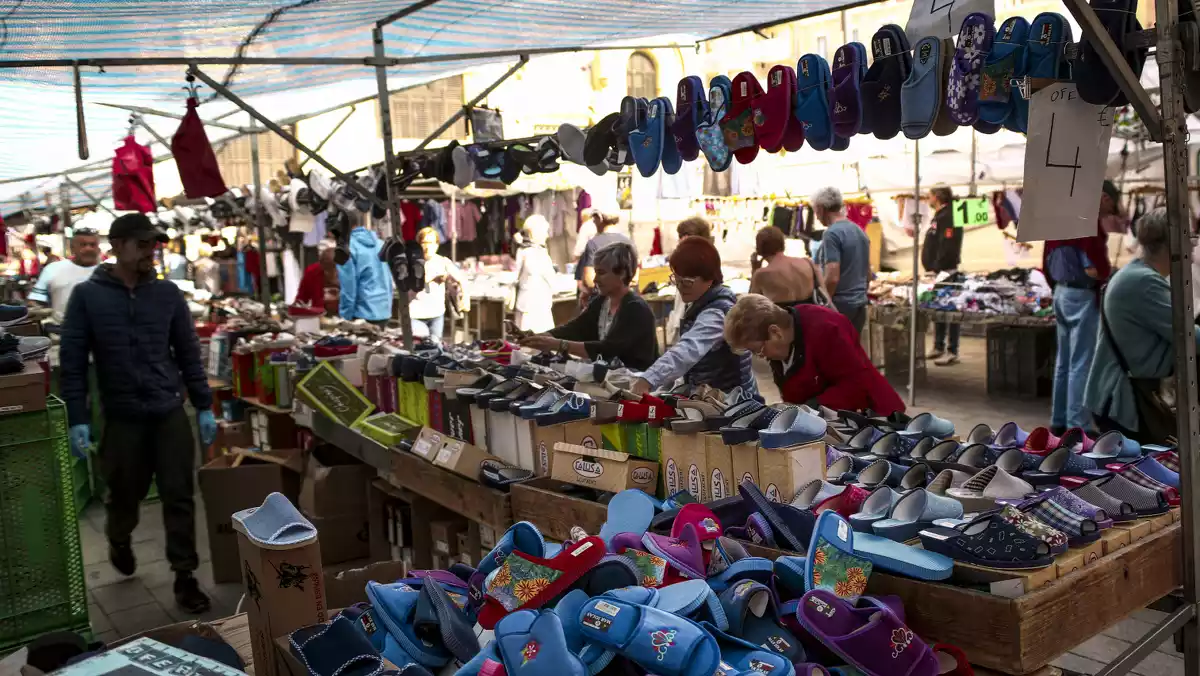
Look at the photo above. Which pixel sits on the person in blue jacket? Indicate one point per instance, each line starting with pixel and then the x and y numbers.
pixel 141 335
pixel 366 281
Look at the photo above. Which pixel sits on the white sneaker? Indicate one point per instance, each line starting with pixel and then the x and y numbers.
pixel 949 360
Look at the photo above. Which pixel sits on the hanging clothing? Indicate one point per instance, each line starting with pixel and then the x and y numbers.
pixel 860 213
pixel 195 158
pixel 133 177
pixel 433 216
pixel 313 237
pixel 410 220
pixel 291 275
pixel 366 281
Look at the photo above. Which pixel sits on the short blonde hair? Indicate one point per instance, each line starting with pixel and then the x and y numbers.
pixel 748 320
pixel 428 231
pixel 536 228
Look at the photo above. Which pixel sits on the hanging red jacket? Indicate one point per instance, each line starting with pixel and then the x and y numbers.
pixel 133 177
pixel 195 158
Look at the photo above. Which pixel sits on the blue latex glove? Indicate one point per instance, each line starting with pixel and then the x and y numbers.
pixel 81 440
pixel 208 428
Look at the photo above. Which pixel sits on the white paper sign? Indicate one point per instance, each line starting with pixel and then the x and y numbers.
pixel 1066 154
pixel 942 18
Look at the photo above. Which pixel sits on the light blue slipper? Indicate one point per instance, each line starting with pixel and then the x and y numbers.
pixel 276 524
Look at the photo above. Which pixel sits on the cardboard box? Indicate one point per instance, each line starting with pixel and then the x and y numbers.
pixel 745 463
pixel 720 467
pixel 335 484
pixel 272 431
pixel 1071 561
pixel 1160 522
pixel 1112 539
pixel 463 458
pixel 388 429
pixel 346 583
pixel 603 470
pixel 684 464
pixel 1091 552
pixel 23 392
pixel 544 439
pixel 329 392
pixel 227 489
pixel 388 518
pixel 428 443
pixel 444 534
pixel 291 665
pixel 285 590
pixel 234 435
pixel 610 437
pixel 783 471
pixel 343 538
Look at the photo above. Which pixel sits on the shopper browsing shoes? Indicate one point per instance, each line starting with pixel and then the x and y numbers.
pixel 845 256
pixel 814 353
pixel 942 252
pixel 140 333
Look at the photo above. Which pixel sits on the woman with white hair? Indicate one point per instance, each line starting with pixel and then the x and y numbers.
pixel 535 278
pixel 1136 329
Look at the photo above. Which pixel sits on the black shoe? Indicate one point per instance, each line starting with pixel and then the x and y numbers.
pixel 121 557
pixel 188 595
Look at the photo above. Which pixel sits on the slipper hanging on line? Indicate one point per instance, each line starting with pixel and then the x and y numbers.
pixel 974 44
pixel 774 126
pixel 884 80
pixel 710 134
pixel 691 107
pixel 811 107
pixel 846 106
pixel 738 124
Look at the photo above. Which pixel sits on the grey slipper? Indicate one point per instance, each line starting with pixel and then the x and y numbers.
pixel 277 524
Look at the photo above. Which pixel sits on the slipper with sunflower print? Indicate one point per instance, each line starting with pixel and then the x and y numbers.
pixel 525 582
pixel 832 564
pixel 754 616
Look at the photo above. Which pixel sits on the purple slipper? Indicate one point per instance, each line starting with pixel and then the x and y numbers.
pixel 684 552
pixel 872 639
pixel 845 99
pixel 974 44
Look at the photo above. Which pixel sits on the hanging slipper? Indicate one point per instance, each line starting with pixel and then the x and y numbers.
pixel 1092 78
pixel 671 161
pixel 974 44
pixel 601 141
pixel 944 125
pixel 754 617
pixel 1005 63
pixel 738 123
pixel 846 106
pixel 646 140
pixel 884 80
pixel 811 107
pixel 691 108
pixel 710 135
pixel 1048 32
pixel 773 127
pixel 632 117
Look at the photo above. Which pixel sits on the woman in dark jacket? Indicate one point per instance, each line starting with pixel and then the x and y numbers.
pixel 616 324
pixel 942 252
pixel 701 356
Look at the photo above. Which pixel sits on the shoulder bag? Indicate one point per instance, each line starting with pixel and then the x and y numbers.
pixel 1156 415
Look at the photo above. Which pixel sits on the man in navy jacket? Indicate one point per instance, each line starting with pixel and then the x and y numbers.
pixel 140 333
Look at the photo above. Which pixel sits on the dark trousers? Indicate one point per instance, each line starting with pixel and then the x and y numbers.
pixel 133 452
pixel 856 315
pixel 1106 424
pixel 940 329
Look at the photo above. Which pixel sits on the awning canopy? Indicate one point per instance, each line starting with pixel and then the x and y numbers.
pixel 37 106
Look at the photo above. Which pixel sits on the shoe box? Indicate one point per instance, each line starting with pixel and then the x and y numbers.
pixel 578 433
pixel 241 480
pixel 701 464
pixel 602 469
pixel 23 391
pixel 782 471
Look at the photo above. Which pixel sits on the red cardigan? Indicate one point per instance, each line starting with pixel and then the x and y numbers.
pixel 831 367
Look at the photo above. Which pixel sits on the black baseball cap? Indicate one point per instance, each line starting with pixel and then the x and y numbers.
pixel 136 226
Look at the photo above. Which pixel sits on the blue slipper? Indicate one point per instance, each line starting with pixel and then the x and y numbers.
pixel 629 511
pixel 1113 444
pixel 750 568
pixel 739 656
pixel 335 649
pixel 670 160
pixel 875 508
pixel 792 427
pixel 522 537
pixel 915 510
pixel 692 599
pixel 646 141
pixel 532 643
pixel 1005 63
pixel 832 563
pixel 811 107
pixel 594 657
pixel 709 135
pixel 928 425
pixel 923 91
pixel 439 618
pixel 668 645
pixel 753 616
pixel 894 557
pixel 792 527
pixel 1043 59
pixel 276 524
pixel 395 605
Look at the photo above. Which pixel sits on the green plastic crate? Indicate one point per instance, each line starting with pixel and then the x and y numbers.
pixel 42 585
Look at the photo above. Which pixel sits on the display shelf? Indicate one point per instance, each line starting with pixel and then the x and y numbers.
pixel 269 408
pixel 458 494
pixel 553 512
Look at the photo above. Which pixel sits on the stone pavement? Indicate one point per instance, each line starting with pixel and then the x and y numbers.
pixel 122 606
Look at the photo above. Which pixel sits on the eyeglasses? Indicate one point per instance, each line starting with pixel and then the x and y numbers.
pixel 682 282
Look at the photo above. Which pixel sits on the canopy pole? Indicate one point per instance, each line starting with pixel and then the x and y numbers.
pixel 916 261
pixel 336 127
pixel 389 163
pixel 80 122
pixel 89 195
pixel 174 116
pixel 141 122
pixel 458 114
pixel 411 9
pixel 283 133
pixel 264 293
pixel 972 187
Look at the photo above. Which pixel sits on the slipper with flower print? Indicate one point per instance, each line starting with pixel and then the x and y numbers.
pixel 529 582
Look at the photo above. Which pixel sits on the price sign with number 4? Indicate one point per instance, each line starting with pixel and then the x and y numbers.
pixel 971 211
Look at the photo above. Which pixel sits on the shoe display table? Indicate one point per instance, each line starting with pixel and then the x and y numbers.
pixel 554 513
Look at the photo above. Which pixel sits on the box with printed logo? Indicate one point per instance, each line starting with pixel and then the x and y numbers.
pixel 579 433
pixel 782 471
pixel 720 467
pixel 684 465
pixel 330 393
pixel 603 470
pixel 744 458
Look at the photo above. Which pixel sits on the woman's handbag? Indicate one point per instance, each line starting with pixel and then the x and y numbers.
pixel 1154 401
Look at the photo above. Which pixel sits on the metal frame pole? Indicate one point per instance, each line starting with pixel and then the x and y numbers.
pixel 916 260
pixel 142 110
pixel 389 163
pixel 89 195
pixel 285 135
pixel 141 122
pixel 458 114
pixel 336 127
pixel 264 293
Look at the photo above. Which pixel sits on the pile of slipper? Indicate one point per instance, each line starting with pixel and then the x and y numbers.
pixel 668 593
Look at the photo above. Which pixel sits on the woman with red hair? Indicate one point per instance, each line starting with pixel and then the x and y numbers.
pixel 701 356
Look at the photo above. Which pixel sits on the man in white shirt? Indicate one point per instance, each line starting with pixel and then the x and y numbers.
pixel 59 278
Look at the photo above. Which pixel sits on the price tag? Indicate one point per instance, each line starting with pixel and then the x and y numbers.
pixel 942 18
pixel 1066 154
pixel 971 211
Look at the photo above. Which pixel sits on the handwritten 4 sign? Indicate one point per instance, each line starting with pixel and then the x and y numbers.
pixel 1066 155
pixel 942 18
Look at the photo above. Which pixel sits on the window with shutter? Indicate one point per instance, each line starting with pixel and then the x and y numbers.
pixel 641 76
pixel 233 157
pixel 417 112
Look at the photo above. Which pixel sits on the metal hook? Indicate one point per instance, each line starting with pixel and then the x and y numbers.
pixel 191 88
